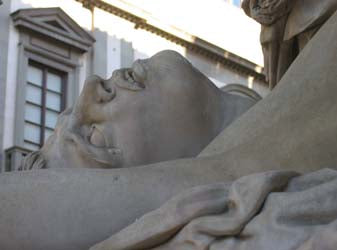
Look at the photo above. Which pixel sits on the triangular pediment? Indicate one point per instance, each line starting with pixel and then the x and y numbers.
pixel 55 23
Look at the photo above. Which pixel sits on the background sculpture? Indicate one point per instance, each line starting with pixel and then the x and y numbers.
pixel 286 27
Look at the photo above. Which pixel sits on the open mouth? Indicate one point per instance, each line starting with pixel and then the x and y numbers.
pixel 96 137
pixel 95 147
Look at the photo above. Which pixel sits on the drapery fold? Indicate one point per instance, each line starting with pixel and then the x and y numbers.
pixel 277 210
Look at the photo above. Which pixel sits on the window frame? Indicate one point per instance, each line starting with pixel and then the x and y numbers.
pixel 29 53
pixel 45 69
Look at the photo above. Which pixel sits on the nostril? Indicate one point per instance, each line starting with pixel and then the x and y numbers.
pixel 105 92
pixel 105 86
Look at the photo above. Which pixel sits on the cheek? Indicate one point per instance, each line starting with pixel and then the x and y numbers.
pixel 125 104
pixel 131 117
pixel 131 139
pixel 133 133
pixel 130 130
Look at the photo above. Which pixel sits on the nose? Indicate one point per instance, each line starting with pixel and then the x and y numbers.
pixel 105 91
pixel 95 91
pixel 98 90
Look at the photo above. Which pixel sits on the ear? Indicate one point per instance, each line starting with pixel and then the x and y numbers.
pixel 34 160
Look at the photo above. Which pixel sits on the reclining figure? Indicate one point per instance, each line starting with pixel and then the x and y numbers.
pixel 161 108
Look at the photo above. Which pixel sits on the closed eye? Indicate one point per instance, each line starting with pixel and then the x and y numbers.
pixel 139 71
pixel 131 81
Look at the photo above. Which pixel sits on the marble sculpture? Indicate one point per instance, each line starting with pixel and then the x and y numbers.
pixel 267 181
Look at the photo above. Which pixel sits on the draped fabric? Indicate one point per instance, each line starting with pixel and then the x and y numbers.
pixel 276 210
pixel 307 14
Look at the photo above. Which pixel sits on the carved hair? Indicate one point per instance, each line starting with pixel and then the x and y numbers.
pixel 34 160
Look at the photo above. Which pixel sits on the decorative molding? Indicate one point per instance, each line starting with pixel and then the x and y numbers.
pixel 54 23
pixel 195 44
pixel 52 57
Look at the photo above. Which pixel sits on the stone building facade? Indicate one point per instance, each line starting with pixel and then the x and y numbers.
pixel 48 48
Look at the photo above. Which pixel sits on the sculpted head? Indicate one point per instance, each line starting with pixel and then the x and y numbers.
pixel 161 108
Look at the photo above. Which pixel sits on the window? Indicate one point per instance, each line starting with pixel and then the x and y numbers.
pixel 52 62
pixel 44 101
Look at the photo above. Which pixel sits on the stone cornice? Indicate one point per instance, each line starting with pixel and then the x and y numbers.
pixel 191 43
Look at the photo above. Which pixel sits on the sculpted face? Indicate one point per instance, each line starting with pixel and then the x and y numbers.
pixel 161 108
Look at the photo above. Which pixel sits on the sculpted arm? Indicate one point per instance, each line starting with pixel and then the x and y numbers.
pixel 75 208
